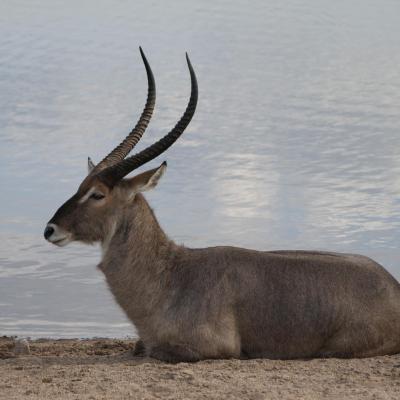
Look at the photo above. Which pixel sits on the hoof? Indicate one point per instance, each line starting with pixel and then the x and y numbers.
pixel 140 349
pixel 174 353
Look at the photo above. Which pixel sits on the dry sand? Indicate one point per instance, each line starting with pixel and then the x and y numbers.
pixel 106 369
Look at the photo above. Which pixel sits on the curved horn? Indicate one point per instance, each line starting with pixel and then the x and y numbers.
pixel 122 150
pixel 117 171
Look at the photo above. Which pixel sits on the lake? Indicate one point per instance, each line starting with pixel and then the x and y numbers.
pixel 295 143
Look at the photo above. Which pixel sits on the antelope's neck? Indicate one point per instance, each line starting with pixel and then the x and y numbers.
pixel 136 241
pixel 136 258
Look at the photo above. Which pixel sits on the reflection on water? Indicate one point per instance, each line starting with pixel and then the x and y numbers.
pixel 295 143
pixel 54 293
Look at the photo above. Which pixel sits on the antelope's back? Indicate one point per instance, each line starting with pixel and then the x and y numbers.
pixel 311 280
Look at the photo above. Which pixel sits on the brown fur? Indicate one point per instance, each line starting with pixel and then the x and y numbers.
pixel 221 302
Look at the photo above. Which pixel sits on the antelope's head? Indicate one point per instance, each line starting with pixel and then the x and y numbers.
pixel 89 214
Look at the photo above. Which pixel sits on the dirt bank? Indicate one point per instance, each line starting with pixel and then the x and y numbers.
pixel 106 369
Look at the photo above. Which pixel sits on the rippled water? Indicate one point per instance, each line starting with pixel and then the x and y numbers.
pixel 295 143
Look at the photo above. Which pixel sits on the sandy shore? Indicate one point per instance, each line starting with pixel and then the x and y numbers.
pixel 106 369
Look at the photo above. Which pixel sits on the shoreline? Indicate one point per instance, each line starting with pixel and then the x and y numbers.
pixel 102 368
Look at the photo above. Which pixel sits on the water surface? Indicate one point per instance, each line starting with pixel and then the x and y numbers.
pixel 295 143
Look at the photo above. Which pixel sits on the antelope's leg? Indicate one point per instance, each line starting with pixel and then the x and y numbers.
pixel 140 349
pixel 174 353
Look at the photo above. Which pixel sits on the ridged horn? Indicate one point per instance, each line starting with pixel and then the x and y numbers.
pixel 114 173
pixel 123 149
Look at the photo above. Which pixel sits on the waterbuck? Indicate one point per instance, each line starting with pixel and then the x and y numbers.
pixel 221 302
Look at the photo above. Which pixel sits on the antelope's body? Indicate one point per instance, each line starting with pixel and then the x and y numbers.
pixel 221 302
pixel 229 302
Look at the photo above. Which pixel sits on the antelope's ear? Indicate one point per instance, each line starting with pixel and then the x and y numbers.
pixel 146 180
pixel 90 165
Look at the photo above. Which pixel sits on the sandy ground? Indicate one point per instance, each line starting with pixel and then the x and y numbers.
pixel 106 369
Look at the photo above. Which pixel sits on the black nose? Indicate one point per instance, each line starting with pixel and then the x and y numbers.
pixel 48 232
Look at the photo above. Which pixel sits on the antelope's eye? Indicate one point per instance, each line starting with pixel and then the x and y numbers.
pixel 97 196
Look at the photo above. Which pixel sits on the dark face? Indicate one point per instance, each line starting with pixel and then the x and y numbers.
pixel 90 215
pixel 84 217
